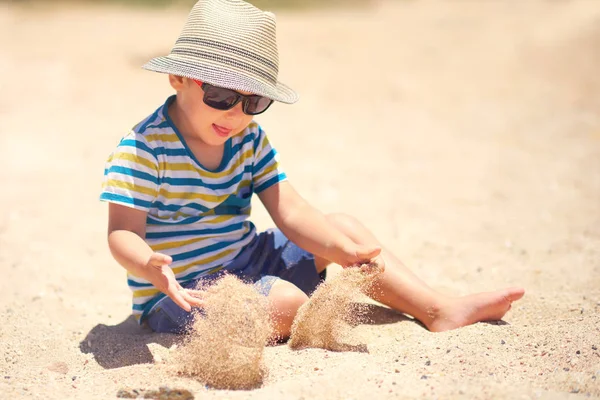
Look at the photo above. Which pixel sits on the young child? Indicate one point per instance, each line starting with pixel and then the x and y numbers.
pixel 179 188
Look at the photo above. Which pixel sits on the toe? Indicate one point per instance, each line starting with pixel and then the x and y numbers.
pixel 514 294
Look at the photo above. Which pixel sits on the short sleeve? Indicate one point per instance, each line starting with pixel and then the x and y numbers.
pixel 131 174
pixel 266 171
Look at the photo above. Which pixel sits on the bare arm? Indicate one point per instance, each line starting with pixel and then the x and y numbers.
pixel 126 233
pixel 308 228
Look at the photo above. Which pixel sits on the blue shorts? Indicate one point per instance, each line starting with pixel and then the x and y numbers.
pixel 270 256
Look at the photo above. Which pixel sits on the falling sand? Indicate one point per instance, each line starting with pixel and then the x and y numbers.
pixel 224 349
pixel 325 320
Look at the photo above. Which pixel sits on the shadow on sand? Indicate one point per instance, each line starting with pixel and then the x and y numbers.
pixel 115 346
pixel 373 314
pixel 125 344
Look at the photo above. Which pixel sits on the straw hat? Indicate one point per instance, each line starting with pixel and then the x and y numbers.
pixel 228 43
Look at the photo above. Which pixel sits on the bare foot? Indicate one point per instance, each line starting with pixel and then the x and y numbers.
pixel 467 310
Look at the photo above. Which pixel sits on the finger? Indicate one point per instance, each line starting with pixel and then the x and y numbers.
pixel 192 301
pixel 196 293
pixel 158 259
pixel 176 296
pixel 367 253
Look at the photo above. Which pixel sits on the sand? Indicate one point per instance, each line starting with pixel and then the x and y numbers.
pixel 326 320
pixel 225 344
pixel 466 135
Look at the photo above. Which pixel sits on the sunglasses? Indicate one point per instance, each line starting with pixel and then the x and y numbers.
pixel 225 99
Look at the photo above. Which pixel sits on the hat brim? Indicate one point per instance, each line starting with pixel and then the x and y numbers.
pixel 219 76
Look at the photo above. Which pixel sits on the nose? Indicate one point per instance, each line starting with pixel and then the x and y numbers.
pixel 236 112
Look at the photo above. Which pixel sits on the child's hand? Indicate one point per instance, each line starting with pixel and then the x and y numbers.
pixel 162 277
pixel 361 254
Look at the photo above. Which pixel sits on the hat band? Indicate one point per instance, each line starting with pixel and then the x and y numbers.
pixel 224 46
pixel 227 61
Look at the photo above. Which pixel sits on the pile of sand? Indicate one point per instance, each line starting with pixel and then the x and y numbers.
pixel 224 349
pixel 325 320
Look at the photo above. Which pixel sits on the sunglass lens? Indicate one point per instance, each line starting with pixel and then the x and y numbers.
pixel 257 104
pixel 220 98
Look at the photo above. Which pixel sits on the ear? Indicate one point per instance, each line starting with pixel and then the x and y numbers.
pixel 177 82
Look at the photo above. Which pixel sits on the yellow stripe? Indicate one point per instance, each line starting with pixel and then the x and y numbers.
pixel 163 137
pixel 207 174
pixel 130 186
pixel 207 260
pixel 145 293
pixel 134 158
pixel 171 245
pixel 266 171
pixel 219 219
pixel 208 198
pixel 264 141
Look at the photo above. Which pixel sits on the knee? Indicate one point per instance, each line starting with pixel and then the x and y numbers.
pixel 287 299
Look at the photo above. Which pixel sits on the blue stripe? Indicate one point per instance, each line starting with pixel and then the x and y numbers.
pixel 210 231
pixel 265 160
pixel 185 221
pixel 194 275
pixel 137 145
pixel 151 119
pixel 258 139
pixel 177 207
pixel 276 179
pixel 163 124
pixel 137 284
pixel 171 152
pixel 131 172
pixel 208 249
pixel 117 198
pixel 247 138
pixel 192 220
pixel 148 306
pixel 199 182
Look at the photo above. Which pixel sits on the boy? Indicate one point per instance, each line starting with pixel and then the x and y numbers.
pixel 179 188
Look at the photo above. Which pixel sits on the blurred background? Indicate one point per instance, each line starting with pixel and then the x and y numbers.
pixel 468 125
pixel 464 124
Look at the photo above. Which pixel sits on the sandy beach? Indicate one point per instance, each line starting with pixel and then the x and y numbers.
pixel 466 135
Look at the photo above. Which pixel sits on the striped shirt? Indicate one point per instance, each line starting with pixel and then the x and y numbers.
pixel 197 216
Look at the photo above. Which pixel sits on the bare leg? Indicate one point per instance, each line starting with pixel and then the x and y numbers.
pixel 284 301
pixel 403 291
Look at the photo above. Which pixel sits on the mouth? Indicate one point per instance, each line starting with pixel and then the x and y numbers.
pixel 221 130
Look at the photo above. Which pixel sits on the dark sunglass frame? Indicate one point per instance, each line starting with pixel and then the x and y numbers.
pixel 245 99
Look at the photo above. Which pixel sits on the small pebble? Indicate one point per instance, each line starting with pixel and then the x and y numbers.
pixel 502 341
pixel 594 347
pixel 578 352
pixel 73 378
pixel 566 369
pixel 423 376
pixel 396 370
pixel 428 363
pixel 316 368
pixel 6 377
